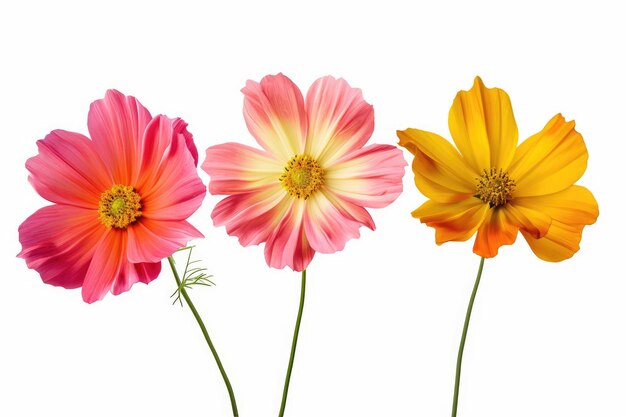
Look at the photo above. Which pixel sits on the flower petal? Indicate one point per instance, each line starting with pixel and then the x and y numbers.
pixel 59 241
pixel 288 245
pixel 340 120
pixel 440 172
pixel 326 229
pixel 179 126
pixel 252 217
pixel 452 221
pixel 368 177
pixel 483 127
pixel 106 264
pixel 68 170
pixel 152 240
pixel 168 183
pixel 497 230
pixel 236 169
pixel 132 273
pixel 116 125
pixel 570 210
pixel 275 116
pixel 549 161
pixel 531 220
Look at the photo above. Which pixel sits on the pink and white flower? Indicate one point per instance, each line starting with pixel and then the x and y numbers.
pixel 121 199
pixel 307 189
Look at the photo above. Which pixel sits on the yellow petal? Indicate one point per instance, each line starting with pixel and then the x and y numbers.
pixel 452 222
pixel 560 243
pixel 497 229
pixel 483 127
pixel 440 172
pixel 533 221
pixel 570 210
pixel 549 161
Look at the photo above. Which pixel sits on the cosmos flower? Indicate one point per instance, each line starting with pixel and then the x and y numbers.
pixel 494 188
pixel 306 191
pixel 121 199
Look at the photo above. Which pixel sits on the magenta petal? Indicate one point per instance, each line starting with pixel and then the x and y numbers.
pixel 58 241
pixel 105 265
pixel 152 240
pixel 68 170
pixel 180 128
pixel 132 273
pixel 116 125
pixel 169 183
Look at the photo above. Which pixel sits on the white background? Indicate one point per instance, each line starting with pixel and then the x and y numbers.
pixel 383 317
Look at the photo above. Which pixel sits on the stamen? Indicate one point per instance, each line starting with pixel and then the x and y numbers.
pixel 302 177
pixel 119 206
pixel 495 187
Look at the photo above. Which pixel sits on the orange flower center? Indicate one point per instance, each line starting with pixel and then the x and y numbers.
pixel 495 187
pixel 302 177
pixel 119 206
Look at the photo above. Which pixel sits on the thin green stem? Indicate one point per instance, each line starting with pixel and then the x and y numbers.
pixel 459 358
pixel 231 394
pixel 293 346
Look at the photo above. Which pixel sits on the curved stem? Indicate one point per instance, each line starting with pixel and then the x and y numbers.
pixel 293 346
pixel 231 394
pixel 459 358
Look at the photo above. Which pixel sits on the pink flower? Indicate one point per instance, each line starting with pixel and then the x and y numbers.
pixel 307 190
pixel 121 199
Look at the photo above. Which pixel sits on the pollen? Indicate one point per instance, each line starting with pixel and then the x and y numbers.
pixel 302 176
pixel 495 187
pixel 119 206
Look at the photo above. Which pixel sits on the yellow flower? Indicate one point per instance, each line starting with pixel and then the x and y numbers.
pixel 494 187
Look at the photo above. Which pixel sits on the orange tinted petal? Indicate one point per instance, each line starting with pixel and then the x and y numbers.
pixel 483 127
pixel 570 211
pixel 535 222
pixel 440 172
pixel 549 161
pixel 452 222
pixel 498 229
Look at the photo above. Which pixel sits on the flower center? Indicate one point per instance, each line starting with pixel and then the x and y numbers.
pixel 119 206
pixel 495 187
pixel 302 177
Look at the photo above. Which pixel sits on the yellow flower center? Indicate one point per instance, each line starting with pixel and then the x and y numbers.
pixel 302 177
pixel 119 206
pixel 495 187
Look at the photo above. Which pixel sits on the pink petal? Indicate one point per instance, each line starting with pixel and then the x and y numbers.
pixel 253 216
pixel 236 169
pixel 116 125
pixel 59 241
pixel 68 170
pixel 180 128
pixel 168 183
pixel 326 229
pixel 340 120
pixel 288 244
pixel 132 273
pixel 152 240
pixel 106 264
pixel 275 116
pixel 368 177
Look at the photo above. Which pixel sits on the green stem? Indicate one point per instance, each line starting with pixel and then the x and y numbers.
pixel 293 346
pixel 459 358
pixel 231 394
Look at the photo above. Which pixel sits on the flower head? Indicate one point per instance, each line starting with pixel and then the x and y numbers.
pixel 121 199
pixel 494 187
pixel 307 189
